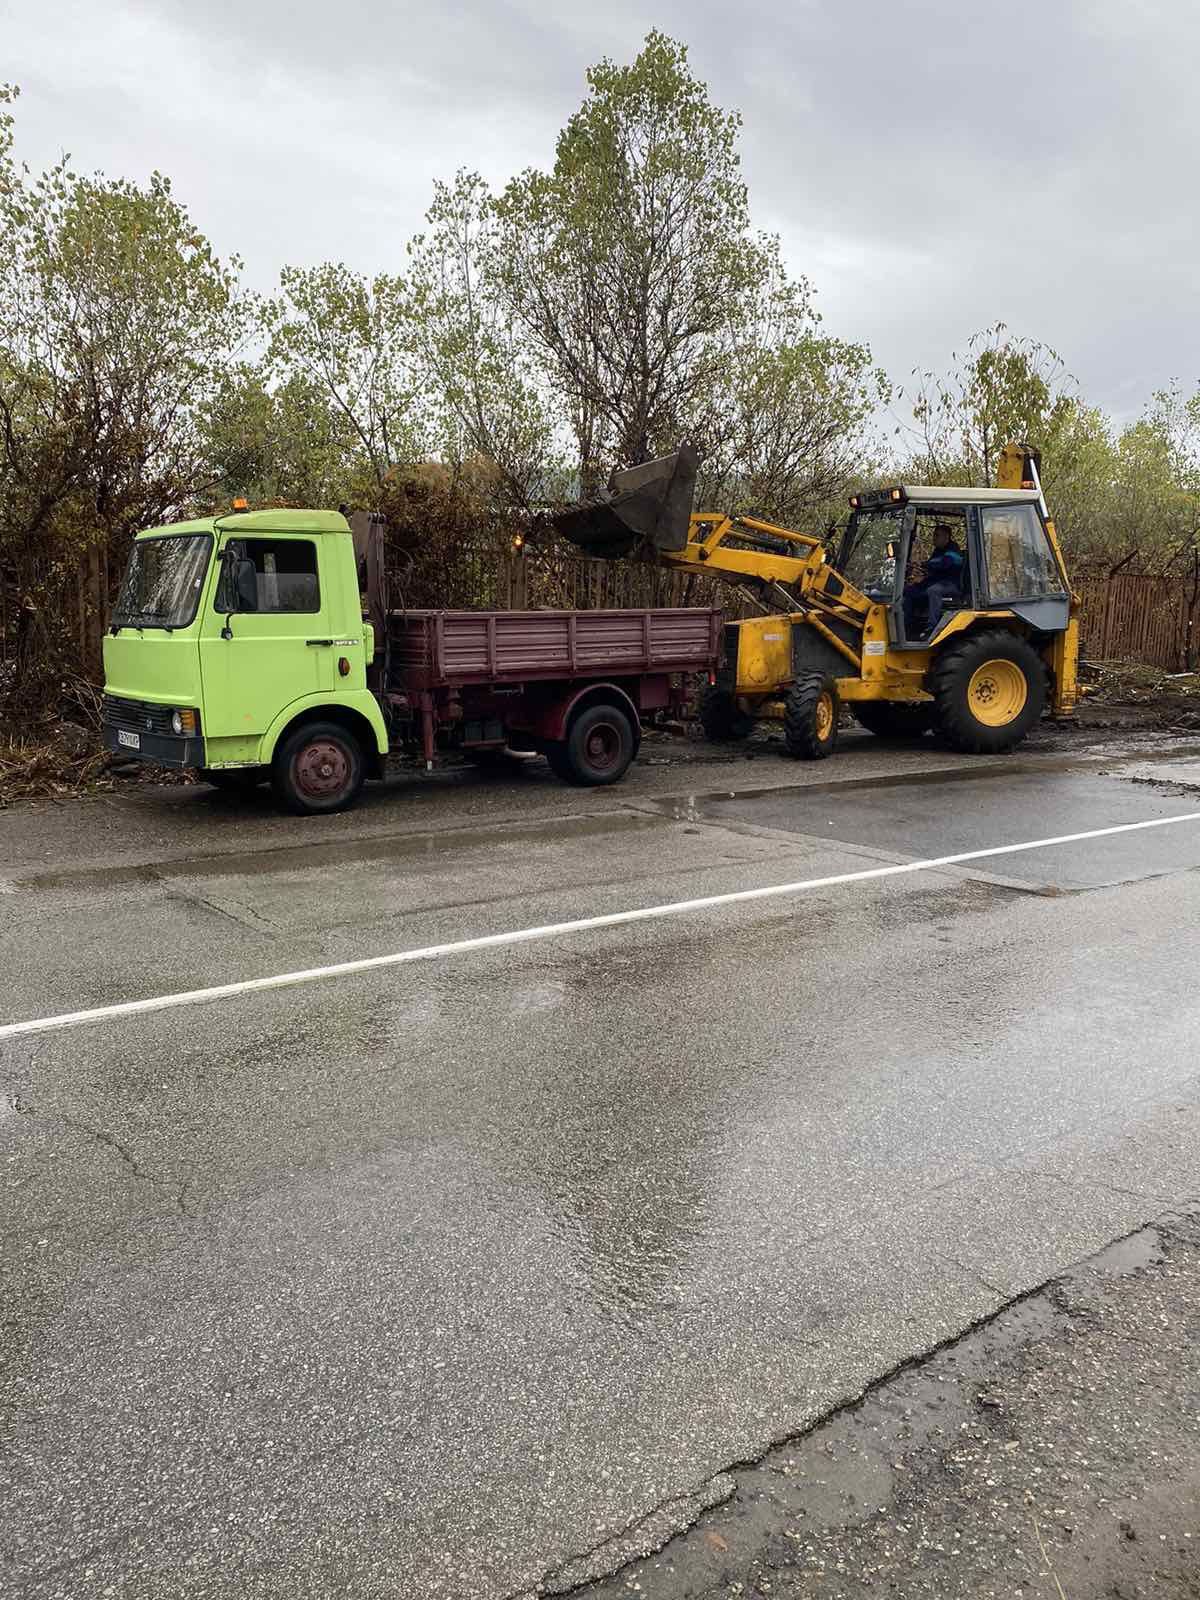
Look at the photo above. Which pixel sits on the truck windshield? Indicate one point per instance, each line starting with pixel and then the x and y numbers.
pixel 869 551
pixel 163 582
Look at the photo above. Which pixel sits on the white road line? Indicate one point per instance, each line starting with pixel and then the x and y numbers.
pixel 614 919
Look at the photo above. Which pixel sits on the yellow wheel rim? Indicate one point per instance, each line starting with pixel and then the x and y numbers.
pixel 997 693
pixel 824 716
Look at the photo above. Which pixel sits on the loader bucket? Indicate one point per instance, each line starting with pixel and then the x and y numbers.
pixel 651 503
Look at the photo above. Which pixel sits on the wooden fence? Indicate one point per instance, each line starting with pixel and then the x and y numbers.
pixel 1136 617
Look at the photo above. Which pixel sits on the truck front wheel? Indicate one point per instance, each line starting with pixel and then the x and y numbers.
pixel 316 769
pixel 599 746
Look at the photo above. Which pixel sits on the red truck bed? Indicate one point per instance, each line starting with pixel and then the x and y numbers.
pixel 434 649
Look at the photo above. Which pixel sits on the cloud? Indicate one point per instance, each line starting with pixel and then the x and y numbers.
pixel 932 166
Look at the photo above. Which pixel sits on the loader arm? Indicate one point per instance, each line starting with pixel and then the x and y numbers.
pixel 738 549
pixel 647 511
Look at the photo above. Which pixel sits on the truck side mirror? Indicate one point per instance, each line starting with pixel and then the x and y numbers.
pixel 246 583
pixel 237 588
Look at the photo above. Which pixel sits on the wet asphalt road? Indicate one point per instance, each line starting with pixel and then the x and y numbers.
pixel 472 1278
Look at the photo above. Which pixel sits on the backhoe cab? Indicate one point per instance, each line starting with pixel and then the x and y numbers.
pixel 944 609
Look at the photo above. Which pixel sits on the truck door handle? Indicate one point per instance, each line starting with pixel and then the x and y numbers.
pixel 325 642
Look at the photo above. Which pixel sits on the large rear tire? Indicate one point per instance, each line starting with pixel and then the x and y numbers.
pixel 598 748
pixel 317 769
pixel 989 689
pixel 721 718
pixel 889 719
pixel 810 724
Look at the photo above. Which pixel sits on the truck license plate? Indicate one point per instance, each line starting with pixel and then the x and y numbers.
pixel 133 740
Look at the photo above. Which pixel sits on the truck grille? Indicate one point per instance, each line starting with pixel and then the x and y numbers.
pixel 138 716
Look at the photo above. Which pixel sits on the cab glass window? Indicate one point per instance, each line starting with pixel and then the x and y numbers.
pixel 1017 556
pixel 285 577
pixel 868 558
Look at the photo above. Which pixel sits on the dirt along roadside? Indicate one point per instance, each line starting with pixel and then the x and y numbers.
pixel 64 757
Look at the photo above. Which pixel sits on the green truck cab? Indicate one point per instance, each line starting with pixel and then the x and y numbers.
pixel 232 636
pixel 239 645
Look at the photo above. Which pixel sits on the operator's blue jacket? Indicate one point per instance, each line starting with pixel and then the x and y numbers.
pixel 943 566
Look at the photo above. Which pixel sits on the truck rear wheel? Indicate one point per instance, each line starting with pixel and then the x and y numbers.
pixel 318 768
pixel 989 690
pixel 893 719
pixel 810 724
pixel 599 746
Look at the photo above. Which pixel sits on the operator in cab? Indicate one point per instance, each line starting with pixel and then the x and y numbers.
pixel 942 581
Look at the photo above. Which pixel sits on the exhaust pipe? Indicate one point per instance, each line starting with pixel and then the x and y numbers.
pixel 648 504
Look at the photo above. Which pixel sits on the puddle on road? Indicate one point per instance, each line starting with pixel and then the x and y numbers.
pixel 1164 766
pixel 280 859
pixel 1132 1254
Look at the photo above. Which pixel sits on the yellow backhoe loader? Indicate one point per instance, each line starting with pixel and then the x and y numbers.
pixel 975 657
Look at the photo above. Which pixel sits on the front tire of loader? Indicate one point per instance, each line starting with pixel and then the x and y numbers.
pixel 810 724
pixel 721 719
pixel 889 719
pixel 989 689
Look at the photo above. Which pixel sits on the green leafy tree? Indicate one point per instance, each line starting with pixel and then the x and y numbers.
pixel 1007 389
pixel 493 400
pixel 115 320
pixel 1154 494
pixel 787 425
pixel 348 335
pixel 631 265
pixel 1002 389
pixel 283 443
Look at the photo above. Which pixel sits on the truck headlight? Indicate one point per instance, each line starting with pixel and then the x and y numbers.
pixel 183 722
pixel 177 722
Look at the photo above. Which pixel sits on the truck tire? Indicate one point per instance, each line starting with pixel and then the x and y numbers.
pixel 317 769
pixel 721 719
pixel 894 719
pixel 810 724
pixel 598 748
pixel 234 780
pixel 988 690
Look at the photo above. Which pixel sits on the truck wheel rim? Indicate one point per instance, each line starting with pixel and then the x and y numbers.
pixel 322 769
pixel 824 716
pixel 997 693
pixel 603 746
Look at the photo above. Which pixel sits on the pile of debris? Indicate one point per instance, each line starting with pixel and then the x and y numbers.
pixel 51 762
pixel 1123 694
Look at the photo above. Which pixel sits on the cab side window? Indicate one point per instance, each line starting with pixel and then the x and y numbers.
pixel 285 577
pixel 1016 553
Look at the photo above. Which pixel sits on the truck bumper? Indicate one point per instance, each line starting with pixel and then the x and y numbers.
pixel 165 749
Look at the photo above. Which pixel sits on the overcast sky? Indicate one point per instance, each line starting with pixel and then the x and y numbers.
pixel 931 165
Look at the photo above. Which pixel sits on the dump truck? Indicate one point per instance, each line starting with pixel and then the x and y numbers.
pixel 976 660
pixel 239 645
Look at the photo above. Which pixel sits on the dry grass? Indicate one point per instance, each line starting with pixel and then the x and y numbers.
pixel 40 768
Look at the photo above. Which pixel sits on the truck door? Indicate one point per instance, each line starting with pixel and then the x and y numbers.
pixel 280 647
